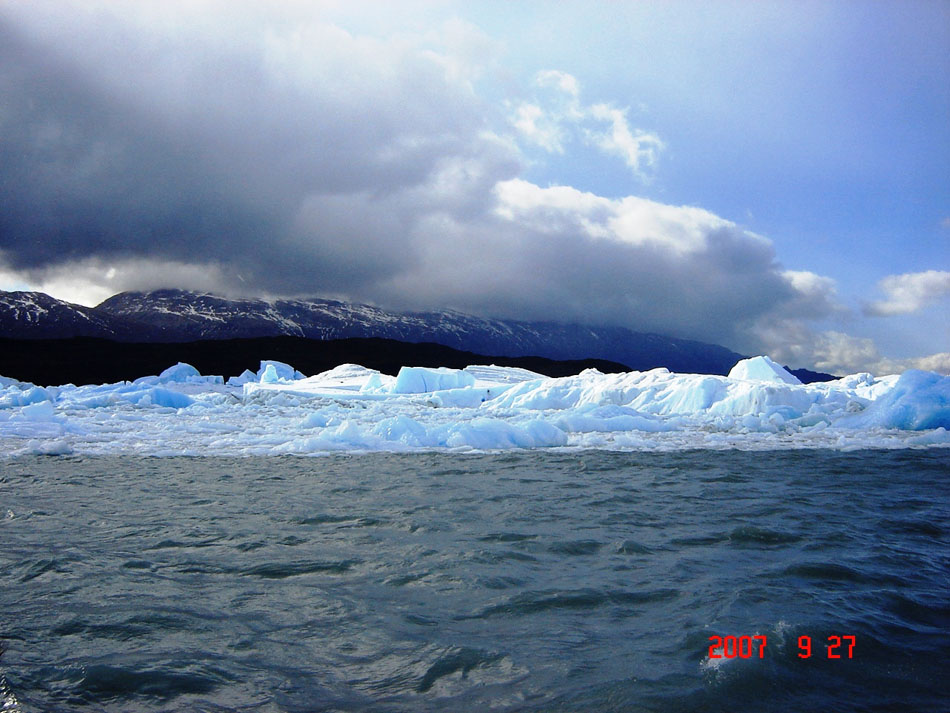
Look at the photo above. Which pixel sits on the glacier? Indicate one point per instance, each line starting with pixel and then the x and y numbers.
pixel 279 411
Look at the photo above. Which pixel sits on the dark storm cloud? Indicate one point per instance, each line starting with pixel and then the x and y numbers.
pixel 557 253
pixel 296 158
pixel 83 174
pixel 207 151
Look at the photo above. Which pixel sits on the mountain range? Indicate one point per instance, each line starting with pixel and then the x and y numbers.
pixel 177 316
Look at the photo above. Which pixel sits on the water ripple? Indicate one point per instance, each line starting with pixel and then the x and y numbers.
pixel 528 582
pixel 282 570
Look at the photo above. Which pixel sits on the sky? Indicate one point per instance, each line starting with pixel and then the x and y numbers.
pixel 769 176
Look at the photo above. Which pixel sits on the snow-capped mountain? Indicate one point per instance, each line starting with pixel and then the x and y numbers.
pixel 189 316
pixel 179 316
pixel 35 315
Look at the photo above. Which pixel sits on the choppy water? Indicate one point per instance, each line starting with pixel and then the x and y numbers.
pixel 527 581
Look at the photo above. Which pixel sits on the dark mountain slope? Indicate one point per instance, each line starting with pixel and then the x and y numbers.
pixel 34 315
pixel 177 316
pixel 84 360
pixel 186 316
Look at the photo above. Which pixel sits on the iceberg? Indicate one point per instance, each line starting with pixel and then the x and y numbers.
pixel 417 380
pixel 272 372
pixel 918 401
pixel 279 410
pixel 761 368
pixel 180 372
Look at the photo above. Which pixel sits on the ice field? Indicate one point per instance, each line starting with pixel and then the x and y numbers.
pixel 278 411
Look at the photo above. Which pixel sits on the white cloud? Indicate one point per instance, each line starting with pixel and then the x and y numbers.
pixel 791 341
pixel 939 363
pixel 191 140
pixel 89 281
pixel 638 149
pixel 562 81
pixel 810 283
pixel 554 209
pixel 677 229
pixel 816 295
pixel 549 124
pixel 935 362
pixel 558 253
pixel 909 292
pixel 837 352
pixel 630 220
pixel 538 128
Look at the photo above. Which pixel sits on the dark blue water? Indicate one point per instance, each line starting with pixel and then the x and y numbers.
pixel 519 582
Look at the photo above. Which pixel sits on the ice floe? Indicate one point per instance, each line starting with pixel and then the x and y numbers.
pixel 278 410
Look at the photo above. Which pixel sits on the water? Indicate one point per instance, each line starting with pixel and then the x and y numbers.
pixel 585 581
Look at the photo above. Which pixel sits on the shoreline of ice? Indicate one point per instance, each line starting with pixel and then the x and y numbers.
pixel 279 411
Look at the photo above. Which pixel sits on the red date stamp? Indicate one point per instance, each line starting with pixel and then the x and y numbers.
pixel 747 647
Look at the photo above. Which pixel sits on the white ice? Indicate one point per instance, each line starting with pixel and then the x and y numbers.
pixel 350 408
pixel 762 368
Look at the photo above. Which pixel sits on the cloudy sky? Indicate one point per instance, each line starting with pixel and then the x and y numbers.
pixel 770 176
